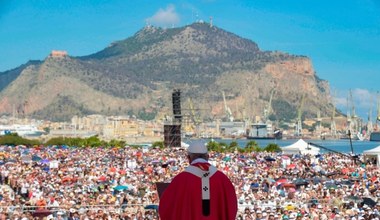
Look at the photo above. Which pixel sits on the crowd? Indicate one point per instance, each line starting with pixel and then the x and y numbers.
pixel 60 182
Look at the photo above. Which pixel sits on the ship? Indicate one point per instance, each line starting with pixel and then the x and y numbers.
pixel 375 136
pixel 357 137
pixel 21 130
pixel 263 131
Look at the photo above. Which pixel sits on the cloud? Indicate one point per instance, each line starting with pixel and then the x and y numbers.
pixel 363 100
pixel 165 17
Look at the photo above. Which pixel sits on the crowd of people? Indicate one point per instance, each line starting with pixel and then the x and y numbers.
pixel 59 182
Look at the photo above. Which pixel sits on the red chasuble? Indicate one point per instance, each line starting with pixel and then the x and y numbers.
pixel 182 200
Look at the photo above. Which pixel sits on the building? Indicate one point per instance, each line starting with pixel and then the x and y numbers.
pixel 58 53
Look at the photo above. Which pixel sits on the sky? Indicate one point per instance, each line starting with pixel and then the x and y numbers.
pixel 342 38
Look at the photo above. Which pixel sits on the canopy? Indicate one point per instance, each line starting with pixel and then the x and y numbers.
pixel 300 147
pixel 373 153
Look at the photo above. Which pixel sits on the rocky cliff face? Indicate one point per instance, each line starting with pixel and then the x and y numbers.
pixel 138 74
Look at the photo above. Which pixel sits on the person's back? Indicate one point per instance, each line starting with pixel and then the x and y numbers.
pixel 200 192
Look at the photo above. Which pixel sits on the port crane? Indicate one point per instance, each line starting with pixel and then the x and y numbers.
pixel 194 117
pixel 319 123
pixel 353 123
pixel 268 107
pixel 227 110
pixel 369 123
pixel 333 124
pixel 299 117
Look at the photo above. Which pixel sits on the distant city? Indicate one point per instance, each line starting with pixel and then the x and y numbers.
pixel 134 130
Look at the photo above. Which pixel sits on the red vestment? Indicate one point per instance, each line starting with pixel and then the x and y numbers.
pixel 182 200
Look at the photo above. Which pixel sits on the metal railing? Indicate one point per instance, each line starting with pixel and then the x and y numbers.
pixel 296 203
pixel 78 208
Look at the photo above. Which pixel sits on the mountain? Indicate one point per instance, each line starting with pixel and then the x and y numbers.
pixel 137 76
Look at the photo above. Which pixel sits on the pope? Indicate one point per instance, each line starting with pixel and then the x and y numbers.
pixel 199 192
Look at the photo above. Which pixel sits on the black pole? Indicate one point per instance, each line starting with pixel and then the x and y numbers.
pixel 352 149
pixel 355 158
pixel 349 136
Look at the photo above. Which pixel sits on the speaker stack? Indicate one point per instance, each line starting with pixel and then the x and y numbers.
pixel 172 132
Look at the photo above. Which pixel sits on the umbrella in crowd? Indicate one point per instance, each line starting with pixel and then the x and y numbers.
pixel 155 207
pixel 368 201
pixel 226 159
pixel 9 163
pixel 281 181
pixel 45 161
pixel 287 185
pixel 330 185
pixel 318 179
pixel 171 161
pixel 346 182
pixel 120 188
pixel 154 162
pixel 270 159
pixel 300 182
pixel 355 199
pixel 36 158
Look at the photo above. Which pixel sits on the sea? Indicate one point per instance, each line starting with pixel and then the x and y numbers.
pixel 340 145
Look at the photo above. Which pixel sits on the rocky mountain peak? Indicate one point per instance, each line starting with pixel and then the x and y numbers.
pixel 137 75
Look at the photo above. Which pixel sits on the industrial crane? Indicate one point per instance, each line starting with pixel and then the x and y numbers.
pixel 268 108
pixel 333 124
pixel 192 122
pixel 369 123
pixel 227 110
pixel 319 123
pixel 354 122
pixel 299 117
pixel 194 117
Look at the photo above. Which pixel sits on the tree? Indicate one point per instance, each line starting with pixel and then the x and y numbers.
pixel 213 146
pixel 158 144
pixel 233 145
pixel 272 148
pixel 56 141
pixel 14 139
pixel 252 146
pixel 116 143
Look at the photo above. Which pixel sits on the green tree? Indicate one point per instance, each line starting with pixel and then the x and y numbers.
pixel 213 146
pixel 252 146
pixel 272 148
pixel 56 141
pixel 223 147
pixel 116 143
pixel 14 139
pixel 158 144
pixel 233 145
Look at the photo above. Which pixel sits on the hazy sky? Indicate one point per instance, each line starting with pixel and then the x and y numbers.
pixel 342 38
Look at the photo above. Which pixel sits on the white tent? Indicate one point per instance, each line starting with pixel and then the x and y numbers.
pixel 373 154
pixel 300 147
